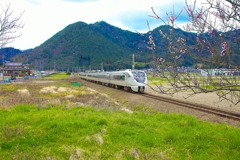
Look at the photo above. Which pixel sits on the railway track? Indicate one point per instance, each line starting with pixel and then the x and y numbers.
pixel 195 106
pixel 200 107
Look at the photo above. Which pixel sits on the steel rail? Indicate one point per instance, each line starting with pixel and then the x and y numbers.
pixel 200 107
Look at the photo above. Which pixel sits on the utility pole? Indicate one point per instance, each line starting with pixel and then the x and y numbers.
pixel 133 61
pixel 102 67
pixel 3 68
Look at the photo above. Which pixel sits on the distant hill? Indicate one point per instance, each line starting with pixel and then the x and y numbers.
pixel 8 53
pixel 90 46
pixel 80 44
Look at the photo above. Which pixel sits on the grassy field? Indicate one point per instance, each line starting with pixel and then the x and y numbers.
pixel 59 120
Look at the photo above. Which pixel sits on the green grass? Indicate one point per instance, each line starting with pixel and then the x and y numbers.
pixel 59 133
pixel 156 80
pixel 57 76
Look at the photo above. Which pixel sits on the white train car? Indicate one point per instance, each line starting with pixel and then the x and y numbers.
pixel 136 80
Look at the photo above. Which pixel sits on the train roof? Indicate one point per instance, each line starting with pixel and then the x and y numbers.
pixel 113 72
pixel 124 70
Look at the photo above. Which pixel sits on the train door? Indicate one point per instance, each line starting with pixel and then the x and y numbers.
pixel 127 80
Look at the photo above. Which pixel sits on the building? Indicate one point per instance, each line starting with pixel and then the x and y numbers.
pixel 15 69
pixel 220 72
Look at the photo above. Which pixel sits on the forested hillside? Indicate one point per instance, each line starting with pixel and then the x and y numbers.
pixel 90 46
pixel 8 53
pixel 80 44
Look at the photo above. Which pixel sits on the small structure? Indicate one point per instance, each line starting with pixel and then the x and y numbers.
pixel 220 72
pixel 15 69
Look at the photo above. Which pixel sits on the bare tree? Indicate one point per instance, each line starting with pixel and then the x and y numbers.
pixel 9 25
pixel 214 49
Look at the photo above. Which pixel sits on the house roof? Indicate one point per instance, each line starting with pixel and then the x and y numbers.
pixel 15 69
pixel 13 64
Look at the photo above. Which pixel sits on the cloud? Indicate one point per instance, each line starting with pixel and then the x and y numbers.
pixel 134 17
pixel 80 1
pixel 35 2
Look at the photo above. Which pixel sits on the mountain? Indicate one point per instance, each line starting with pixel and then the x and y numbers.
pixel 8 53
pixel 80 44
pixel 91 46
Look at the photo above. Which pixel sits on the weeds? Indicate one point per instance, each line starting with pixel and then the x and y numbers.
pixel 9 132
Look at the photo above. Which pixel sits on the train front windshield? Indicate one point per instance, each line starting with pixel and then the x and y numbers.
pixel 139 76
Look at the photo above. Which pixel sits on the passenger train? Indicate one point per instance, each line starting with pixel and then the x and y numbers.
pixel 135 80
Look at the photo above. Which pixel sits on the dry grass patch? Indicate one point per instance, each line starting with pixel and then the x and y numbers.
pixel 54 93
pixel 23 92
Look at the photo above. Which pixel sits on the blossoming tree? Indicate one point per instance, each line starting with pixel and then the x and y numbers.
pixel 215 51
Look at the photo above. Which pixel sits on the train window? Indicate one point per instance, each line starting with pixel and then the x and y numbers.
pixel 115 77
pixel 118 77
pixel 139 76
pixel 122 77
pixel 103 76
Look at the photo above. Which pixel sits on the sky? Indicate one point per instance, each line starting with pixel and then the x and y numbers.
pixel 44 18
